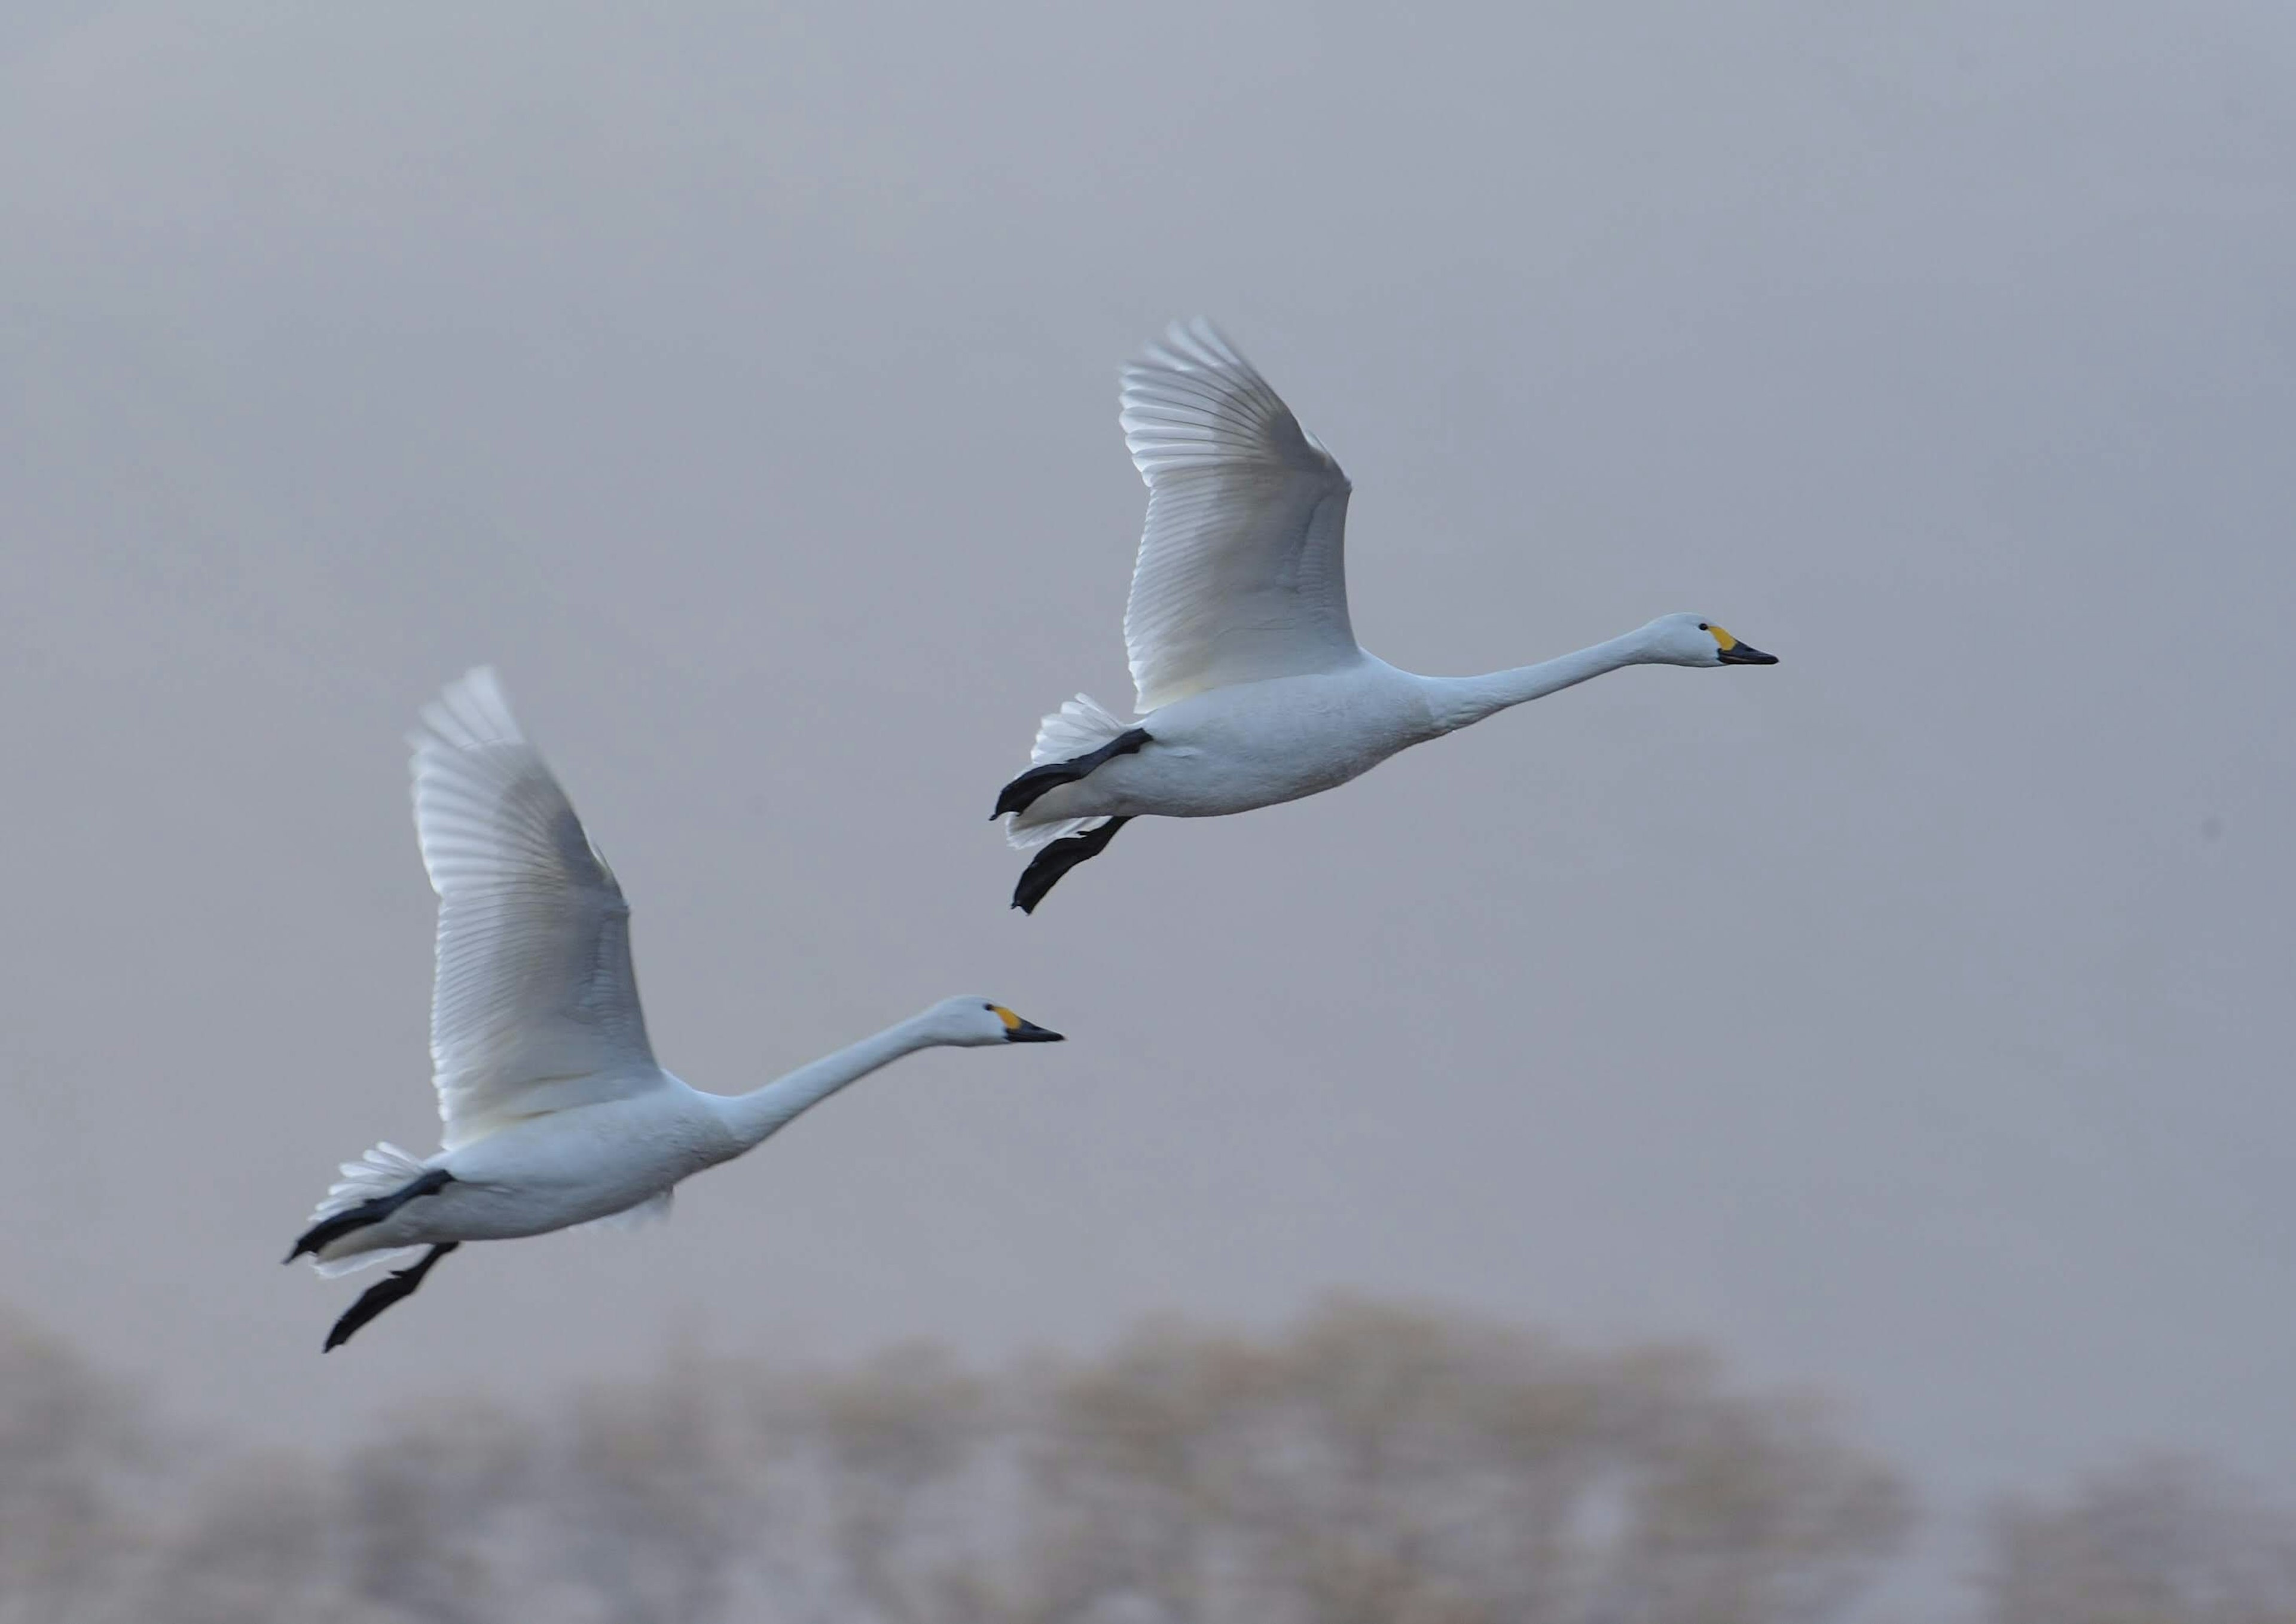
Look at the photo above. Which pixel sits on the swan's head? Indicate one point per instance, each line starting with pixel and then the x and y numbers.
pixel 974 1024
pixel 1685 640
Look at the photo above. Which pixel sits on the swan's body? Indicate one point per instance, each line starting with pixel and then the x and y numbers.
pixel 1252 745
pixel 1250 687
pixel 555 1111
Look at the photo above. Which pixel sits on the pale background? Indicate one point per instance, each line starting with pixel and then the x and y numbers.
pixel 741 381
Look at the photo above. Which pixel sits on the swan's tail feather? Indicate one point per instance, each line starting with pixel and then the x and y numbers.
pixel 1079 727
pixel 1035 837
pixel 330 1268
pixel 382 1173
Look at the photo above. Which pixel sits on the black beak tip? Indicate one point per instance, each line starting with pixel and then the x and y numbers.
pixel 1746 654
pixel 1029 1031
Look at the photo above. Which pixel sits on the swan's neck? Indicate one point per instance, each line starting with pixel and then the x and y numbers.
pixel 762 1112
pixel 1459 702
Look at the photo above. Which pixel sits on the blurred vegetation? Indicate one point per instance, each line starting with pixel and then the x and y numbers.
pixel 1371 1464
pixel 2165 1539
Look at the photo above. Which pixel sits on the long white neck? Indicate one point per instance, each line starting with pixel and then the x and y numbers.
pixel 761 1112
pixel 1458 701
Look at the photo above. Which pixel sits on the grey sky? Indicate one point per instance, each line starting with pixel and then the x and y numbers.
pixel 742 384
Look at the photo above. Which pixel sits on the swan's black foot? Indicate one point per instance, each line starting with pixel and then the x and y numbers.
pixel 1047 867
pixel 1020 794
pixel 400 1284
pixel 328 1231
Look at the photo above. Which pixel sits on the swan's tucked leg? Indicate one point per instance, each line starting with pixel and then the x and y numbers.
pixel 328 1231
pixel 397 1287
pixel 1020 794
pixel 1047 867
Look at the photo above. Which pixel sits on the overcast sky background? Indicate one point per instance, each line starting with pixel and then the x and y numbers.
pixel 741 381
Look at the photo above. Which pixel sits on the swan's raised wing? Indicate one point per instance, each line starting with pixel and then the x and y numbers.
pixel 1240 574
pixel 535 1007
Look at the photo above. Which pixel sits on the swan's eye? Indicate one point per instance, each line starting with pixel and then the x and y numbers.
pixel 1703 627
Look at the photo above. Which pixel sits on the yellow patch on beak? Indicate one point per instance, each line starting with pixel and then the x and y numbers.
pixel 1012 1021
pixel 1723 638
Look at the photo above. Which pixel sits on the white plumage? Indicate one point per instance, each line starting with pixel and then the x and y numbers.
pixel 1249 682
pixel 535 1007
pixel 555 1112
pixel 1241 575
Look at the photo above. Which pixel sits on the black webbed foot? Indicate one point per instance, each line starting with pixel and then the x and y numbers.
pixel 1021 793
pixel 399 1286
pixel 1047 867
pixel 328 1231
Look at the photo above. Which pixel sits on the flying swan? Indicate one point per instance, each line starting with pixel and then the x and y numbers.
pixel 555 1111
pixel 1250 687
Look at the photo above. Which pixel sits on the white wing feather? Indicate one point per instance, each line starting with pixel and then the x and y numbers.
pixel 1241 575
pixel 536 1007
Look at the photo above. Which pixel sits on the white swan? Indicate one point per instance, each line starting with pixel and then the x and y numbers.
pixel 1250 687
pixel 555 1112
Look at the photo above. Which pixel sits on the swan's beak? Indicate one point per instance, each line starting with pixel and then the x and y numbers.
pixel 1029 1031
pixel 1746 654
